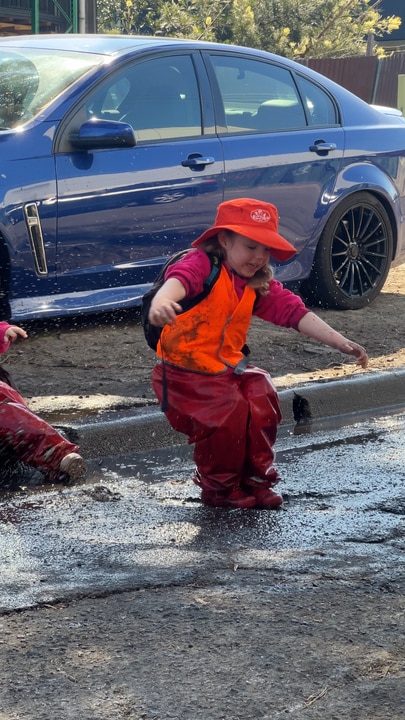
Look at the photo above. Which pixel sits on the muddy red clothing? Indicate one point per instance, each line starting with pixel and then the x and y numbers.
pixel 33 441
pixel 232 419
pixel 231 414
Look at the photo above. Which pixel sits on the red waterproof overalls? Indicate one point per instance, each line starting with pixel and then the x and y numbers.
pixel 230 412
pixel 34 441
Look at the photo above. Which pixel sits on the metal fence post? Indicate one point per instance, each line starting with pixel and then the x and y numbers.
pixel 401 94
pixel 35 17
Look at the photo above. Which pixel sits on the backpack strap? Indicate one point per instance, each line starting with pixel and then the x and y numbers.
pixel 215 270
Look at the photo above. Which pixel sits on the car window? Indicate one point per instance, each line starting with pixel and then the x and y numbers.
pixel 320 107
pixel 257 95
pixel 28 81
pixel 158 97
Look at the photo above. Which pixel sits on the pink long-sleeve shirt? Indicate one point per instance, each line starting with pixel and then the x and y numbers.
pixel 280 306
pixel 4 345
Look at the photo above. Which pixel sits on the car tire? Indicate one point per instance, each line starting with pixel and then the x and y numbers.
pixel 353 256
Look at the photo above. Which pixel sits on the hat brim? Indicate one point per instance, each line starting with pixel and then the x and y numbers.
pixel 280 248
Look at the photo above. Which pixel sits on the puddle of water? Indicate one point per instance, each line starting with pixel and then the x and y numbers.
pixel 338 486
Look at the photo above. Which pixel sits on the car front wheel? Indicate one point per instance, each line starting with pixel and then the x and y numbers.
pixel 353 256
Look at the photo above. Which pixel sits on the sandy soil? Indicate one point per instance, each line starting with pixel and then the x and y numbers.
pixel 107 355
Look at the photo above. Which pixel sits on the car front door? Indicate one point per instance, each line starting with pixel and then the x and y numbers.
pixel 121 211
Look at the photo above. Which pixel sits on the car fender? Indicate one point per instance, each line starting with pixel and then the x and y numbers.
pixel 367 177
pixel 350 180
pixel 27 206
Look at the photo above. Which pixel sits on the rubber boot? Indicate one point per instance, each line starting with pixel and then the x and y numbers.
pixel 224 498
pixel 265 497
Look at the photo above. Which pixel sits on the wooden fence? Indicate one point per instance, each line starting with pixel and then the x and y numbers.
pixel 374 80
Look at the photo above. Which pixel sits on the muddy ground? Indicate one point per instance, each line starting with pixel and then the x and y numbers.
pixel 232 644
pixel 253 646
pixel 108 356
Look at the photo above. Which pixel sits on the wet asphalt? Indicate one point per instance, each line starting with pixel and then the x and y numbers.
pixel 138 522
pixel 124 598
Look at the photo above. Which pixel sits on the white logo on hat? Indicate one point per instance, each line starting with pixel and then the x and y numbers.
pixel 260 216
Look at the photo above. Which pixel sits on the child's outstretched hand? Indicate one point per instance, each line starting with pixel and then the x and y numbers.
pixel 312 326
pixel 163 311
pixel 165 305
pixel 12 333
pixel 352 348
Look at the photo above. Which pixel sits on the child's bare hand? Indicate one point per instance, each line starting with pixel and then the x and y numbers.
pixel 352 348
pixel 13 332
pixel 163 311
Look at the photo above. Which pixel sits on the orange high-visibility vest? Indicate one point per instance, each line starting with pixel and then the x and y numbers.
pixel 209 337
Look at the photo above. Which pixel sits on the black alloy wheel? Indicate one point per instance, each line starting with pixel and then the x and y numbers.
pixel 353 256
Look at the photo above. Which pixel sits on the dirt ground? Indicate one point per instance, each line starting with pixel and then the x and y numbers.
pixel 108 356
pixel 252 648
pixel 234 643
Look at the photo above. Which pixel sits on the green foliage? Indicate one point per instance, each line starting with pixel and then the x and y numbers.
pixel 292 28
pixel 189 19
pixel 320 28
pixel 128 17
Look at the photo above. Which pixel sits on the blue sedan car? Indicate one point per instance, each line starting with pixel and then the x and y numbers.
pixel 116 150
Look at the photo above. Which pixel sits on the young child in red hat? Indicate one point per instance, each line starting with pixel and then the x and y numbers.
pixel 31 439
pixel 228 408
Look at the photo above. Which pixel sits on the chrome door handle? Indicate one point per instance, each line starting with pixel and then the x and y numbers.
pixel 193 161
pixel 322 147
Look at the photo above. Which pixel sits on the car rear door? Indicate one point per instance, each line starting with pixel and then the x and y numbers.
pixel 282 143
pixel 122 210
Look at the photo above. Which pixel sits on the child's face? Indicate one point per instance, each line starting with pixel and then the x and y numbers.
pixel 244 256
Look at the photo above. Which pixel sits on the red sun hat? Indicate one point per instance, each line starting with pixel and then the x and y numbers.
pixel 253 219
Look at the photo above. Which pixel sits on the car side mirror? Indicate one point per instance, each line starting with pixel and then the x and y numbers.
pixel 96 134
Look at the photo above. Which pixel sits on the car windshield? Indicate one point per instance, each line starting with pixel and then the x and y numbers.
pixel 31 79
